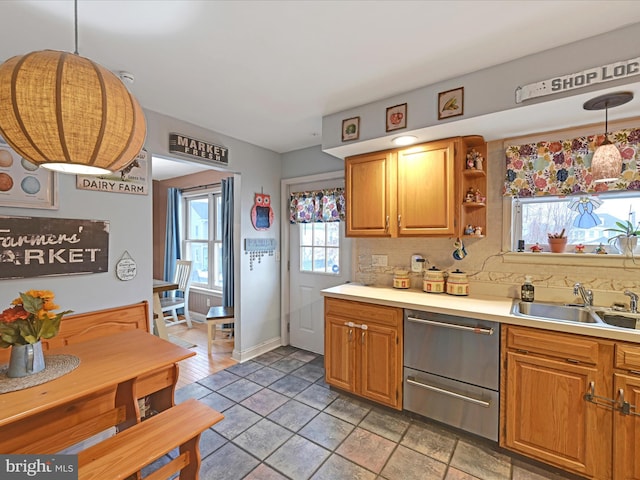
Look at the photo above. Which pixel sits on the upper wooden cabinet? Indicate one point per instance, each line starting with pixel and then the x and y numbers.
pixel 414 191
pixel 370 194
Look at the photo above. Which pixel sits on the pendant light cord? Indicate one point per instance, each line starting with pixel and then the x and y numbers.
pixel 75 23
pixel 606 118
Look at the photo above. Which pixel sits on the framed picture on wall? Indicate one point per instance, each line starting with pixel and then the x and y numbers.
pixel 24 184
pixel 397 117
pixel 451 103
pixel 351 129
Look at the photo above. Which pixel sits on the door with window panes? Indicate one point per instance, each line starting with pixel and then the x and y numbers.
pixel 319 258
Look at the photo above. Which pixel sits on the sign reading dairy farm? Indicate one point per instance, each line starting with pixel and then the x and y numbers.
pixel 184 145
pixel 40 246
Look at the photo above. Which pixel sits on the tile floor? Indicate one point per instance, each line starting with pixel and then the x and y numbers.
pixel 283 422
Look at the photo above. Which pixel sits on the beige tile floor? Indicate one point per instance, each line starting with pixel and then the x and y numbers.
pixel 283 422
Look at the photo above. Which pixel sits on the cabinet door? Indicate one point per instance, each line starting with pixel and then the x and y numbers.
pixel 370 195
pixel 546 415
pixel 381 364
pixel 626 430
pixel 339 353
pixel 426 192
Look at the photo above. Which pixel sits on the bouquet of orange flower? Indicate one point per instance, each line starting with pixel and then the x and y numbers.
pixel 30 319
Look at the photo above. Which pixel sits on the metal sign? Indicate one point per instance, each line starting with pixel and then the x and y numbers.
pixel 605 73
pixel 134 178
pixel 191 147
pixel 40 246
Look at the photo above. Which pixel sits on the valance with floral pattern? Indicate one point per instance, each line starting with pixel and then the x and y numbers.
pixel 564 167
pixel 317 206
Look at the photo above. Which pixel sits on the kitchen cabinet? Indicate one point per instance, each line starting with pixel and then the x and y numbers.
pixel 544 414
pixel 626 423
pixel 370 195
pixel 405 192
pixel 363 350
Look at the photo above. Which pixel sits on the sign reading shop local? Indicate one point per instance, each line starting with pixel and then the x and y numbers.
pixel 191 147
pixel 605 73
pixel 39 246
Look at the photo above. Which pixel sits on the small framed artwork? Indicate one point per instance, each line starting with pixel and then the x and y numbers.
pixel 24 184
pixel 351 129
pixel 451 103
pixel 397 117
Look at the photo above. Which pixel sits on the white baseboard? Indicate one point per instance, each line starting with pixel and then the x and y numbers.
pixel 256 350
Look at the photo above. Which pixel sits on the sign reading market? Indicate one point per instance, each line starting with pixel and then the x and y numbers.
pixel 40 246
pixel 191 147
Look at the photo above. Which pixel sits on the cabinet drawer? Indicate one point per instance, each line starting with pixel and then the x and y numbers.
pixel 628 356
pixel 559 345
pixel 363 312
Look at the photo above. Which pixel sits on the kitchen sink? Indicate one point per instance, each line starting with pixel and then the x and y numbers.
pixel 555 311
pixel 620 319
pixel 577 314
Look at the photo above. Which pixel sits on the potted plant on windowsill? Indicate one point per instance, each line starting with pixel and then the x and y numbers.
pixel 626 239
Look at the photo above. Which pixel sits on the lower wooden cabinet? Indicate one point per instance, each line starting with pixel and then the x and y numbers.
pixel 572 401
pixel 363 350
pixel 544 414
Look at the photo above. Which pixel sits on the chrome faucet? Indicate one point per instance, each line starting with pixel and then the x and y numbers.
pixel 633 301
pixel 587 295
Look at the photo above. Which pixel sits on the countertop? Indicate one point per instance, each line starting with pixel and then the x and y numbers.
pixel 497 309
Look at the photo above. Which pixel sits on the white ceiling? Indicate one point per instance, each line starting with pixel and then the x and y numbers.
pixel 266 72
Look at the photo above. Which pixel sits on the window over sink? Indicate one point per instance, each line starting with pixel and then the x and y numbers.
pixel 584 219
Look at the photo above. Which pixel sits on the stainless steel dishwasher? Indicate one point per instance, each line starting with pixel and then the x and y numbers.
pixel 451 370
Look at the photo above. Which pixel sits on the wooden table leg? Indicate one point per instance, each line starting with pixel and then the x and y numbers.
pixel 161 328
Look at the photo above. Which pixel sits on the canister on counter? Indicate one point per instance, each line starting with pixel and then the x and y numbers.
pixel 433 281
pixel 457 283
pixel 401 279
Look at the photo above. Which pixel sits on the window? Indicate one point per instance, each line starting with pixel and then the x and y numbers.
pixel 203 238
pixel 583 218
pixel 320 247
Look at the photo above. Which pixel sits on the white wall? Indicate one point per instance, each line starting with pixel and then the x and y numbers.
pixel 309 161
pixel 257 292
pixel 129 218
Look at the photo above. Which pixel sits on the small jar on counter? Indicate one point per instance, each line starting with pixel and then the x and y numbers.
pixel 433 281
pixel 401 279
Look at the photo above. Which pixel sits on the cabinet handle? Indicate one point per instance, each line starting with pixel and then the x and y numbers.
pixel 364 330
pixel 399 217
pixel 386 224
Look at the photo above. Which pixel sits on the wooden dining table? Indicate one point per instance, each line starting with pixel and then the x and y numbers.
pixel 103 391
pixel 160 286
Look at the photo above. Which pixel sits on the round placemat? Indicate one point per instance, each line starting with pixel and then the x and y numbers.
pixel 55 366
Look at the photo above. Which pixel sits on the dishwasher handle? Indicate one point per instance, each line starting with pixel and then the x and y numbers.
pixel 477 401
pixel 455 326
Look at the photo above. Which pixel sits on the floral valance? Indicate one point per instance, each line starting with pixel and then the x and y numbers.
pixel 564 167
pixel 317 206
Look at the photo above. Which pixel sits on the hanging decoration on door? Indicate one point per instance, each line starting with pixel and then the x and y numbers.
pixel 261 212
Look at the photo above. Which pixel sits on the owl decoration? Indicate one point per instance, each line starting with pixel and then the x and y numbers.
pixel 261 212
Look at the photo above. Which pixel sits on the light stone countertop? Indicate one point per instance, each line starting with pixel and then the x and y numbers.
pixel 497 309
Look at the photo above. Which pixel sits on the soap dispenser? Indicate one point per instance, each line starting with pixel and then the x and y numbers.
pixel 527 290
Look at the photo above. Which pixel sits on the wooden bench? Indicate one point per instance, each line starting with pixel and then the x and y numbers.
pixel 127 452
pixel 98 323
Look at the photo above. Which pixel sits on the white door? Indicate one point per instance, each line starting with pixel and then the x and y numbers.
pixel 320 257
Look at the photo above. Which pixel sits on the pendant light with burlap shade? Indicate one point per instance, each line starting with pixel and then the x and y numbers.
pixel 69 114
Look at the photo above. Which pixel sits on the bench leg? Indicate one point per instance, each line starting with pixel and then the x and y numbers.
pixel 192 448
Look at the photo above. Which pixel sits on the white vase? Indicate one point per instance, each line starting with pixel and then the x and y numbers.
pixel 626 245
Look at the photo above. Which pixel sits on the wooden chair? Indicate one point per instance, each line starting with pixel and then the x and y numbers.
pixel 172 303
